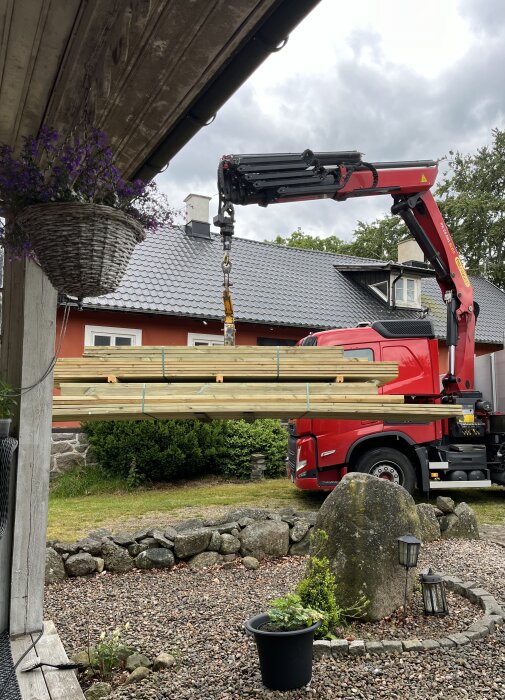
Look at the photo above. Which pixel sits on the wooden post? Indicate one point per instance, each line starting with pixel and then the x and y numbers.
pixel 28 332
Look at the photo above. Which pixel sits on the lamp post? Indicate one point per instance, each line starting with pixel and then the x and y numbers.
pixel 408 554
pixel 434 598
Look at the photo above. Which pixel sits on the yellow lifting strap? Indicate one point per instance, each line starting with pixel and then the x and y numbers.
pixel 229 321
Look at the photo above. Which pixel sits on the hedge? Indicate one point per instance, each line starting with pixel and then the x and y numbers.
pixel 169 450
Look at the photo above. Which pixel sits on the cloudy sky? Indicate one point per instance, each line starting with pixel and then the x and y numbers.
pixel 391 79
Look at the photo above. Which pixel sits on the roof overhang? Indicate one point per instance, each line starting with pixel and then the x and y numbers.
pixel 417 270
pixel 150 73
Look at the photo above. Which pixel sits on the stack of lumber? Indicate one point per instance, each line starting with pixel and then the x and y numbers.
pixel 180 382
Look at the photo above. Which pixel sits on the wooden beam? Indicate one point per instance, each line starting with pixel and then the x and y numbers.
pixel 29 320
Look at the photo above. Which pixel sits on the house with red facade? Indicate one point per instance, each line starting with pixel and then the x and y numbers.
pixel 172 294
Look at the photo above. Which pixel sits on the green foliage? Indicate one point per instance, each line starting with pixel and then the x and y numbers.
pixel 267 437
pixel 472 200
pixel 299 239
pixel 7 401
pixel 108 652
pixel 157 450
pixel 86 481
pixel 289 613
pixel 317 590
pixel 168 450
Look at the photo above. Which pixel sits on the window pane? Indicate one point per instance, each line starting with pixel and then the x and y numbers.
pixel 121 340
pixel 411 290
pixel 201 342
pixel 399 290
pixel 102 340
pixel 360 353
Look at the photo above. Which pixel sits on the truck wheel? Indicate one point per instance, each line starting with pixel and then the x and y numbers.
pixel 389 464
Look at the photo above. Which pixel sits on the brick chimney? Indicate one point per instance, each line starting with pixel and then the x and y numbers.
pixel 409 251
pixel 197 216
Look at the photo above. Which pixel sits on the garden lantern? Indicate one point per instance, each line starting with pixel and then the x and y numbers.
pixel 408 553
pixel 434 598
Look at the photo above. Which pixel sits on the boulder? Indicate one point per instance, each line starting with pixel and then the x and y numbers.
pixel 250 563
pixel 430 527
pixel 98 691
pixel 204 560
pixel 123 539
pixel 136 660
pixel 227 528
pixel 116 558
pixel 299 530
pixel 163 660
pixel 302 547
pixel 188 543
pixel 461 524
pixel 91 546
pixel 229 544
pixel 241 513
pixel 363 516
pixel 215 542
pixel 170 533
pixel 135 549
pixel 265 538
pixel 137 675
pixel 98 534
pixel 445 504
pixel 149 542
pixel 66 547
pixel 80 564
pixel 55 569
pixel 159 558
pixel 162 541
pixel 191 524
pixel 82 657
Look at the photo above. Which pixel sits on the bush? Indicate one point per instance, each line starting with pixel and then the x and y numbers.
pixel 157 450
pixel 169 450
pixel 267 437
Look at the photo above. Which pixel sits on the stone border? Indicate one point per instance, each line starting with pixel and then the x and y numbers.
pixel 494 615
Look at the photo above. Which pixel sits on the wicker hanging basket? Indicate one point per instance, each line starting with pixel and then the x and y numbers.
pixel 84 249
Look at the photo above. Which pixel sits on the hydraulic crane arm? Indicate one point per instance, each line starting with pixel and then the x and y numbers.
pixel 285 177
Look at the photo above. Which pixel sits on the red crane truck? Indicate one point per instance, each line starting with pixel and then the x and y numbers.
pixel 441 454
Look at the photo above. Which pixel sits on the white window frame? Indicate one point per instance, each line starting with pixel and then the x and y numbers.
pixel 90 331
pixel 405 304
pixel 193 338
pixel 375 288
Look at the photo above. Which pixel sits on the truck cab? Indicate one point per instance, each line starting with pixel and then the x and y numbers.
pixel 413 455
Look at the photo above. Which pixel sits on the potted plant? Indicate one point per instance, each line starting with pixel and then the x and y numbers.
pixel 284 639
pixel 7 404
pixel 67 206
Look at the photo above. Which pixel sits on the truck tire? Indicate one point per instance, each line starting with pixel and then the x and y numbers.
pixel 387 463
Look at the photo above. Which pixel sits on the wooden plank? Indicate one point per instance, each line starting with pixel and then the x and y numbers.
pixel 27 350
pixel 32 685
pixel 62 685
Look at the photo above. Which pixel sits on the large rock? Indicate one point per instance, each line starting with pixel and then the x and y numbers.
pixel 430 527
pixel 80 564
pixel 265 538
pixel 229 544
pixel 159 558
pixel 91 546
pixel 363 516
pixel 299 530
pixel 301 547
pixel 188 543
pixel 445 504
pixel 55 569
pixel 204 560
pixel 116 558
pixel 98 691
pixel 461 524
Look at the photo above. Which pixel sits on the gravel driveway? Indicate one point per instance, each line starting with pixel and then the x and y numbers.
pixel 200 617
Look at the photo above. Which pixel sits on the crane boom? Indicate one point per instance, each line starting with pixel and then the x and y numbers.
pixel 288 177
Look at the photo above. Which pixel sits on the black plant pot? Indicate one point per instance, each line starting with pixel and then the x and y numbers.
pixel 285 657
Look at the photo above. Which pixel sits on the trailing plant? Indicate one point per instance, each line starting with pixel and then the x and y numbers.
pixel 289 613
pixel 7 402
pixel 108 652
pixel 55 168
pixel 317 590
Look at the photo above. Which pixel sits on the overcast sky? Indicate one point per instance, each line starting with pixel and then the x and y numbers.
pixel 392 79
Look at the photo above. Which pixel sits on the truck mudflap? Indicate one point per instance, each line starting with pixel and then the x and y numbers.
pixel 424 468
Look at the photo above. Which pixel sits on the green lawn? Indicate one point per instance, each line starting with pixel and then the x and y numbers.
pixel 72 516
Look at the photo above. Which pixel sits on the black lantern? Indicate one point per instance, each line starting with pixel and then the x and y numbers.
pixel 408 553
pixel 434 598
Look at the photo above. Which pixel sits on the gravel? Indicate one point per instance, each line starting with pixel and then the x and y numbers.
pixel 198 617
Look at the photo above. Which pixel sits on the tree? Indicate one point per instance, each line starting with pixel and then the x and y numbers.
pixel 299 239
pixel 472 201
pixel 378 240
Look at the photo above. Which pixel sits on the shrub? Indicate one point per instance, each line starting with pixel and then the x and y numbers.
pixel 289 613
pixel 169 450
pixel 267 437
pixel 317 590
pixel 157 450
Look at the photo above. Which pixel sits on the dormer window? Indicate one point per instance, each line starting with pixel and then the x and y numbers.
pixel 408 292
pixel 382 289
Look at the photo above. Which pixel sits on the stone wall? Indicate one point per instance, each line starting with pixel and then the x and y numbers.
pixel 69 450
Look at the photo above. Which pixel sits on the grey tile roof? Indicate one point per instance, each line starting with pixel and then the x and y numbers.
pixel 180 275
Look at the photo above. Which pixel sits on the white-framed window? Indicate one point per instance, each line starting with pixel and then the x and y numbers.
pixel 408 292
pixel 205 339
pixel 103 336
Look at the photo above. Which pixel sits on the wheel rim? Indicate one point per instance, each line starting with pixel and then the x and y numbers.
pixel 389 471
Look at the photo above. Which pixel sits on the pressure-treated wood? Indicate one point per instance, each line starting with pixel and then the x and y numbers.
pixel 203 363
